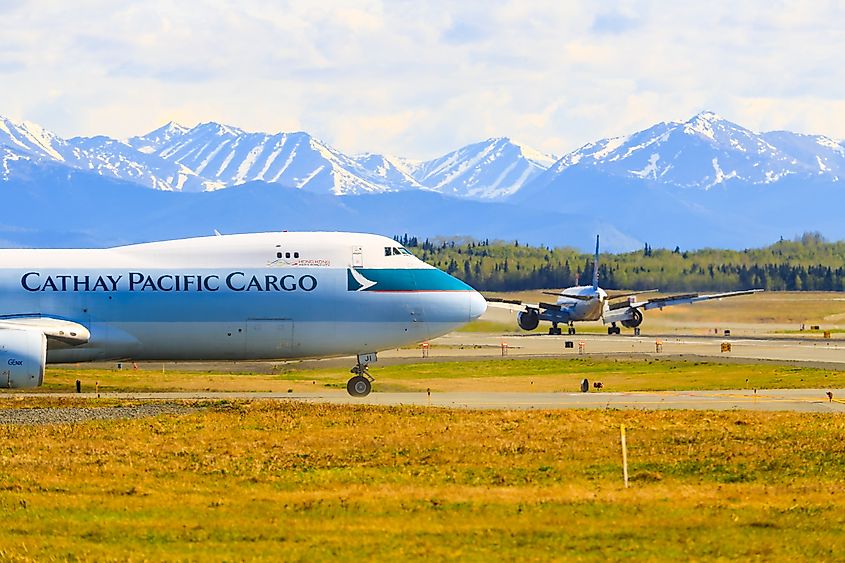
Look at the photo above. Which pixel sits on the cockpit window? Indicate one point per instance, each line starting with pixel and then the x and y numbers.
pixel 395 251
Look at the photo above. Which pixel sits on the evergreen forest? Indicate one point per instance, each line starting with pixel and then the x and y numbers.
pixel 807 263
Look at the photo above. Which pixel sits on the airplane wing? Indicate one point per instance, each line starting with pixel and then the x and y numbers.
pixel 509 304
pixel 568 296
pixel 57 331
pixel 613 295
pixel 547 311
pixel 684 299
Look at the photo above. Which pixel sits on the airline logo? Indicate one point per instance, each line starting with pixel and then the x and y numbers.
pixel 402 280
pixel 355 281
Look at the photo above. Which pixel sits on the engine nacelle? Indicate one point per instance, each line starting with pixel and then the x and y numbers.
pixel 528 320
pixel 635 320
pixel 23 357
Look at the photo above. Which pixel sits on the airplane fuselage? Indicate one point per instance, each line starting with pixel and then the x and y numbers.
pixel 258 296
pixel 581 310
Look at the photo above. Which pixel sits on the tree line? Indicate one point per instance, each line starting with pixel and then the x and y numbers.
pixel 806 263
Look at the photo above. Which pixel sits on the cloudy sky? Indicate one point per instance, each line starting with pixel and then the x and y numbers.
pixel 420 78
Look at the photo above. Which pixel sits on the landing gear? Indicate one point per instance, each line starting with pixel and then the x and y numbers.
pixel 359 386
pixel 613 329
pixel 571 329
pixel 554 330
pixel 361 383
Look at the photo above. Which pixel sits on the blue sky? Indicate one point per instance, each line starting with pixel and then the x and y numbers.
pixel 420 78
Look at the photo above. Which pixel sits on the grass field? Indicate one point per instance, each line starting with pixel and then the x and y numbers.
pixel 541 375
pixel 288 481
pixel 778 307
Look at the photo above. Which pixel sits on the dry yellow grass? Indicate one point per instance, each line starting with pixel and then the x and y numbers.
pixel 293 481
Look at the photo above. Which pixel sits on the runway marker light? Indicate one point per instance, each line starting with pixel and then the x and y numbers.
pixel 425 347
pixel 504 348
pixel 624 455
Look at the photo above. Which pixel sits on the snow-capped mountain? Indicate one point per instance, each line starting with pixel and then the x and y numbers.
pixel 704 152
pixel 213 156
pixel 701 182
pixel 492 169
pixel 391 171
pixel 152 141
pixel 108 157
pixel 229 156
pixel 29 138
pixel 29 142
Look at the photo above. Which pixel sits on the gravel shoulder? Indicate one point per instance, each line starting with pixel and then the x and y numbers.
pixel 76 415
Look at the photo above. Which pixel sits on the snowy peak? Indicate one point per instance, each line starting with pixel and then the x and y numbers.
pixel 27 141
pixel 118 159
pixel 492 169
pixel 703 124
pixel 389 170
pixel 213 156
pixel 706 151
pixel 703 152
pixel 153 140
pixel 30 138
pixel 226 156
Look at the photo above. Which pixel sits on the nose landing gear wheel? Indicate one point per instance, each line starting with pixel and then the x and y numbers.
pixel 361 382
pixel 359 386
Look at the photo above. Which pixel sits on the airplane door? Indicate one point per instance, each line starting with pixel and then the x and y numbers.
pixel 414 305
pixel 269 338
pixel 357 257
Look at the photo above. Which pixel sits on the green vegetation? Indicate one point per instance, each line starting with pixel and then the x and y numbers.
pixel 505 374
pixel 808 263
pixel 290 481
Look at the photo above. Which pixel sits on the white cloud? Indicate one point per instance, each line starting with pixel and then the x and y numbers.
pixel 422 78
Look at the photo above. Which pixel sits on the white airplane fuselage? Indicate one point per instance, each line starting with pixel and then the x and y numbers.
pixel 582 310
pixel 254 296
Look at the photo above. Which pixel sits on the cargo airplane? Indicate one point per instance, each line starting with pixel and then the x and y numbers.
pixel 592 303
pixel 237 297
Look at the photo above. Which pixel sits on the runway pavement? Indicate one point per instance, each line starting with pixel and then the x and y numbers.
pixel 806 350
pixel 751 345
pixel 796 400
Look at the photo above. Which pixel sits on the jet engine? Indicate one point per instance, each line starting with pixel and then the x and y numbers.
pixel 23 356
pixel 635 320
pixel 528 320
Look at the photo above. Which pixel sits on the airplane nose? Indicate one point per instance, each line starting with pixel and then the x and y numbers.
pixel 477 305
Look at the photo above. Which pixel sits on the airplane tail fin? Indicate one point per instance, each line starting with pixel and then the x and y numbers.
pixel 596 266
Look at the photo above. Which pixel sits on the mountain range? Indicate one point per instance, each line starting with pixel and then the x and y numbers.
pixel 701 182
